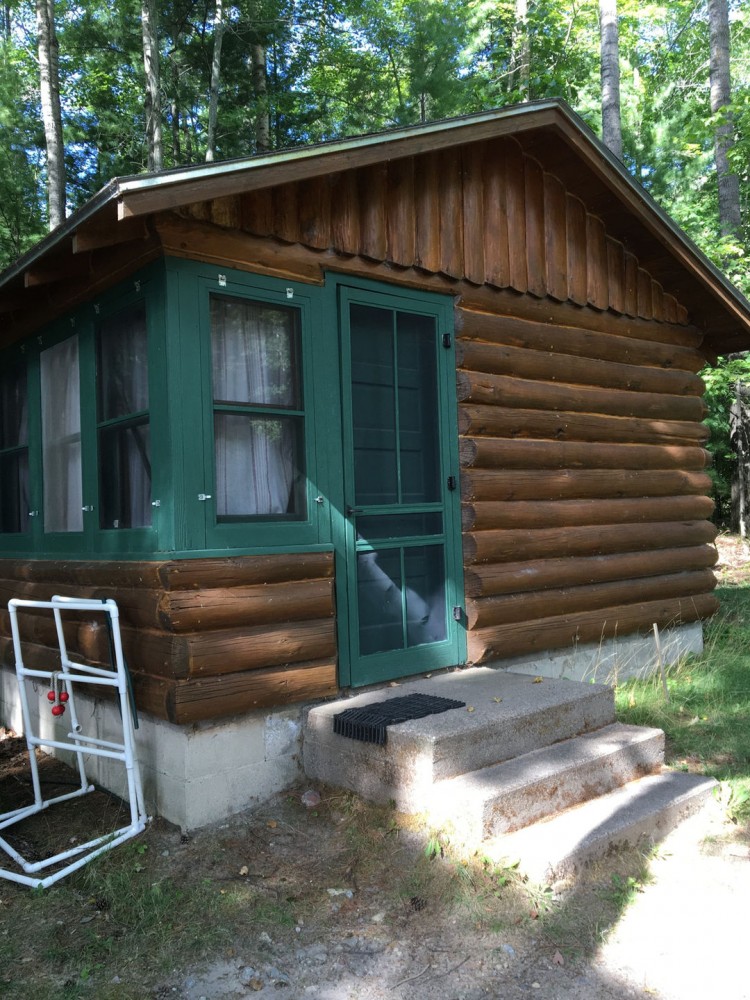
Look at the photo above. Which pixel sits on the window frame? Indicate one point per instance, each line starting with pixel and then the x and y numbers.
pixel 18 358
pixel 258 531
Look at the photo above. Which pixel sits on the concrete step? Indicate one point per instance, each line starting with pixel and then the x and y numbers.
pixel 642 811
pixel 506 715
pixel 519 792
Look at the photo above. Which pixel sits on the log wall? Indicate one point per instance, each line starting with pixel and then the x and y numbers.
pixel 203 638
pixel 585 507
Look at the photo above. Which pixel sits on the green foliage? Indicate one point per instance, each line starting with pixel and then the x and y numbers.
pixel 344 67
pixel 707 719
pixel 721 381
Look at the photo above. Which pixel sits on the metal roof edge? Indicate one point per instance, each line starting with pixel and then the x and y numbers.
pixel 67 228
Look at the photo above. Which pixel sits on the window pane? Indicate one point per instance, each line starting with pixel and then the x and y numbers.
pixel 14 492
pixel 399 525
pixel 122 363
pixel 374 406
pixel 259 466
pixel 418 408
pixel 13 407
pixel 61 437
pixel 425 595
pixel 255 353
pixel 125 476
pixel 379 601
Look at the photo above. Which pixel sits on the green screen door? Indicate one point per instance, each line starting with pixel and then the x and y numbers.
pixel 400 476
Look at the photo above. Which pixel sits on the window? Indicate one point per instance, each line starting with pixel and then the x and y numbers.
pixel 14 450
pixel 124 445
pixel 258 412
pixel 61 437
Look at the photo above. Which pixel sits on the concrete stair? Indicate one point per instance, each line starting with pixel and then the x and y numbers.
pixel 538 769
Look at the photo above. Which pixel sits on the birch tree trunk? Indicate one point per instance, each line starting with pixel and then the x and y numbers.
pixel 610 75
pixel 153 97
pixel 213 97
pixel 49 74
pixel 721 96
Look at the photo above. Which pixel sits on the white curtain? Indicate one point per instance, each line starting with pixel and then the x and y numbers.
pixel 253 358
pixel 61 437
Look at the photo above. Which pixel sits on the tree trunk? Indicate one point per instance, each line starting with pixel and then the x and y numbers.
pixel 729 186
pixel 520 55
pixel 260 87
pixel 51 115
pixel 213 97
pixel 610 74
pixel 153 96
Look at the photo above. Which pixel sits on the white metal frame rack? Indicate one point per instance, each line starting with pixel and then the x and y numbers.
pixel 63 683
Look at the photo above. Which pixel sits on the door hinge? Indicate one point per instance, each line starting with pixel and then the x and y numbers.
pixel 447 341
pixel 452 482
pixel 458 613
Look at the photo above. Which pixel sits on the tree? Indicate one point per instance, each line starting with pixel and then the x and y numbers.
pixel 49 77
pixel 153 89
pixel 213 94
pixel 729 185
pixel 610 75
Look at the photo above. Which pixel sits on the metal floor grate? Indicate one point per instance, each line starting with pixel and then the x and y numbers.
pixel 369 722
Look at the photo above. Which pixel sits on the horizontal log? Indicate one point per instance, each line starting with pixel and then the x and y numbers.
pixel 501 302
pixel 538 543
pixel 195 700
pixel 505 390
pixel 235 571
pixel 176 574
pixel 573 513
pixel 515 332
pixel 544 574
pixel 496 421
pixel 509 608
pixel 53 572
pixel 489 453
pixel 501 641
pixel 229 607
pixel 578 484
pixel 550 366
pixel 228 650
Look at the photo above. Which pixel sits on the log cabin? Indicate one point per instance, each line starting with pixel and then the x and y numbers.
pixel 339 415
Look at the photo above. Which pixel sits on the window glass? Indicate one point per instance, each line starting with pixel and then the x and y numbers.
pixel 14 458
pixel 122 363
pixel 61 437
pixel 259 455
pixel 124 432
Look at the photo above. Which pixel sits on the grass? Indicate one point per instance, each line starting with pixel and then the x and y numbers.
pixel 707 717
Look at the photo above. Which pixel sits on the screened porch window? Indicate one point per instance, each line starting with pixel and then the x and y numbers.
pixel 14 450
pixel 123 420
pixel 61 437
pixel 258 410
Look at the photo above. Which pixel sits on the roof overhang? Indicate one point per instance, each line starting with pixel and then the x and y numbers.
pixel 548 129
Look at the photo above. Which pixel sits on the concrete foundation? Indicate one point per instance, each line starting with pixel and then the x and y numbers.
pixel 611 660
pixel 192 775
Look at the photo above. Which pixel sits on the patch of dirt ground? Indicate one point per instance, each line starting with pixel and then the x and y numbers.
pixel 340 900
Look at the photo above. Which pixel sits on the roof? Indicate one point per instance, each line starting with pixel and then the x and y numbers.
pixel 113 223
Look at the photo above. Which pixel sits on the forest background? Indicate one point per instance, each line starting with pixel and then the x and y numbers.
pixel 104 88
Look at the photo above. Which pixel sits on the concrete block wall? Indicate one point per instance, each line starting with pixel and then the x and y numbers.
pixel 192 775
